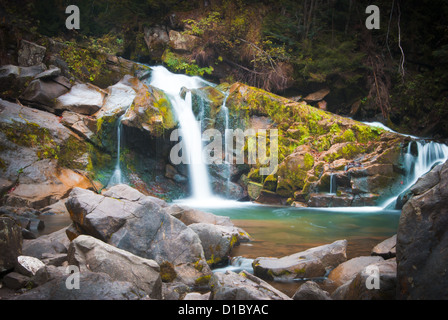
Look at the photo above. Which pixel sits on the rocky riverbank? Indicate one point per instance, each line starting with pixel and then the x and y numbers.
pixel 130 246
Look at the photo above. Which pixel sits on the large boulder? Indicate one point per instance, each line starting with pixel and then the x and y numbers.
pixel 422 239
pixel 43 92
pixel 142 227
pixel 92 286
pixel 182 42
pixel 310 290
pixel 189 216
pixel 346 271
pixel 14 79
pixel 151 111
pixel 30 54
pixel 89 253
pixel 217 241
pixel 53 243
pixel 358 289
pixel 37 152
pixel 10 243
pixel 82 98
pixel 242 286
pixel 314 262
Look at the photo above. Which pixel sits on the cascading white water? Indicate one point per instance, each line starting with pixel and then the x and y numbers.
pixel 333 186
pixel 226 136
pixel 117 175
pixel 427 155
pixel 172 85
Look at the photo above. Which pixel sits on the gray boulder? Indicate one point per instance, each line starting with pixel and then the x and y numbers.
pixel 357 289
pixel 14 79
pixel 142 227
pixel 217 241
pixel 314 262
pixel 42 93
pixel 30 53
pixel 346 271
pixel 242 286
pixel 15 281
pixel 82 98
pixel 91 254
pixel 93 286
pixel 310 290
pixel 422 239
pixel 53 243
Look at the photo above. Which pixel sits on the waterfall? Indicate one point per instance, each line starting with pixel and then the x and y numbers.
pixel 117 175
pixel 421 162
pixel 172 84
pixel 333 185
pixel 226 136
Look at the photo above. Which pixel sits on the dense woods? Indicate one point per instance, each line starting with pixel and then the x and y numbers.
pixel 396 74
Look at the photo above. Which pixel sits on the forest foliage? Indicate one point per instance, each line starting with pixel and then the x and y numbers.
pixel 396 74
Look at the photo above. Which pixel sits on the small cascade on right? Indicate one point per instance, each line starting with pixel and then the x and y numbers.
pixel 421 156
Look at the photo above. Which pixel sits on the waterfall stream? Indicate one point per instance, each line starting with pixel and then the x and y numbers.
pixel 417 161
pixel 117 175
pixel 172 84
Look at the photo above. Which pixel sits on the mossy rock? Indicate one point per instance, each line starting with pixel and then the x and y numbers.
pixel 270 183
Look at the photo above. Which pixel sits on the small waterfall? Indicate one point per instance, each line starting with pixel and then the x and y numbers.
pixel 117 175
pixel 420 162
pixel 172 84
pixel 226 136
pixel 237 264
pixel 333 185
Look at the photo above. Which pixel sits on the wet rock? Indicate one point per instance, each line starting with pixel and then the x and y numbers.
pixel 10 243
pixel 386 249
pixel 92 254
pixel 310 290
pixel 314 262
pixel 242 286
pixel 151 111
